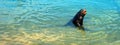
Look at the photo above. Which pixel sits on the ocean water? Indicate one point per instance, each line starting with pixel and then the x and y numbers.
pixel 41 22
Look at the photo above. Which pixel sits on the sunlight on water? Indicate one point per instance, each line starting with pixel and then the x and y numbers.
pixel 46 37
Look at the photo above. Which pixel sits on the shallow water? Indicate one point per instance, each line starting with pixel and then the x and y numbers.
pixel 41 22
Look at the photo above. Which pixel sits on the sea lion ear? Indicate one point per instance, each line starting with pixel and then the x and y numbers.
pixel 81 10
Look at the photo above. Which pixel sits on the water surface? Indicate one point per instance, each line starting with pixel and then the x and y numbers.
pixel 41 22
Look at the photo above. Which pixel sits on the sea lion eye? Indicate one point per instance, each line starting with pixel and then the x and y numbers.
pixel 85 11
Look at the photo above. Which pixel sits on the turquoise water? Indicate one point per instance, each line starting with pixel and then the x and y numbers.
pixel 41 22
